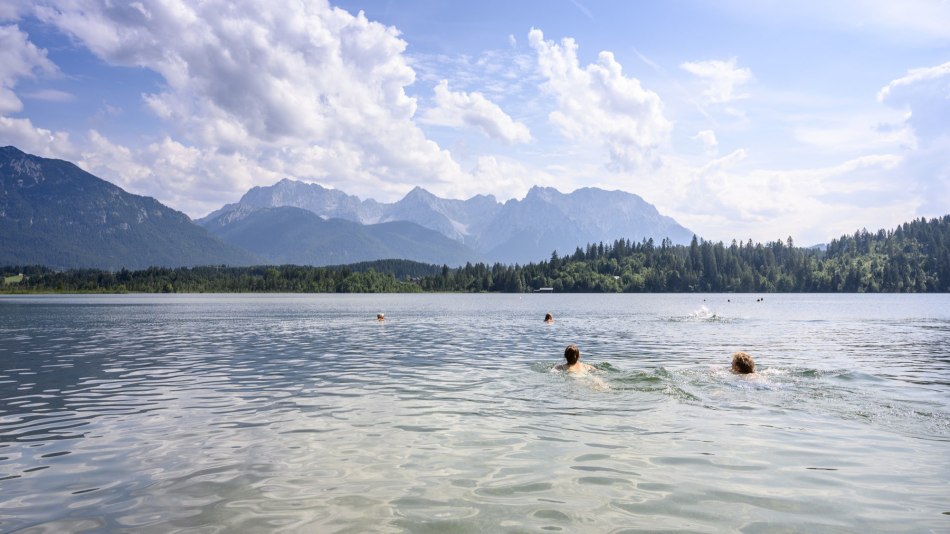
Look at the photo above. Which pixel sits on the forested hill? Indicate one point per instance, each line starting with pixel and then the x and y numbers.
pixel 914 257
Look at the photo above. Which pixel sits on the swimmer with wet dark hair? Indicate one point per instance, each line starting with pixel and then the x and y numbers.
pixel 574 365
pixel 380 317
pixel 742 364
pixel 548 318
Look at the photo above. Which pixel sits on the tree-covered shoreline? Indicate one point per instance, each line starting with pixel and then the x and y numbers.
pixel 914 257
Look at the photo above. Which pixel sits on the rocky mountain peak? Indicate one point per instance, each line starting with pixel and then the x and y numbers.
pixel 418 194
pixel 516 231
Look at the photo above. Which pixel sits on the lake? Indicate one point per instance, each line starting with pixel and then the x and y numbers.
pixel 302 413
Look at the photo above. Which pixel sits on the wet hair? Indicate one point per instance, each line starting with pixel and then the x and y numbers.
pixel 572 354
pixel 742 363
pixel 548 317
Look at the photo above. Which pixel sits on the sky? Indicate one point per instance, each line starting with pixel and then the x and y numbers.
pixel 757 119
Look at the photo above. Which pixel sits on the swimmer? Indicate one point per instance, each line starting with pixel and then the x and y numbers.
pixel 574 365
pixel 380 317
pixel 548 318
pixel 742 364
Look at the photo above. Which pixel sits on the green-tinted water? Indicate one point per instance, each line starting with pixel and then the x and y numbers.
pixel 304 414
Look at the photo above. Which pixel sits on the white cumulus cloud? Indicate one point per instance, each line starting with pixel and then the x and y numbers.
pixel 914 76
pixel 301 86
pixel 11 9
pixel 474 110
pixel 19 58
pixel 722 79
pixel 709 141
pixel 26 136
pixel 506 177
pixel 598 103
pixel 923 94
pixel 179 175
pixel 814 203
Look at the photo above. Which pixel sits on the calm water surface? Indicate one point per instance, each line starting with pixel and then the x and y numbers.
pixel 292 413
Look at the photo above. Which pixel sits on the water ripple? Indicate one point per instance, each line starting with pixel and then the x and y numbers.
pixel 302 413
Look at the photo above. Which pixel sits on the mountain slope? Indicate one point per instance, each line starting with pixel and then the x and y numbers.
pixel 601 215
pixel 462 220
pixel 528 231
pixel 293 235
pixel 53 213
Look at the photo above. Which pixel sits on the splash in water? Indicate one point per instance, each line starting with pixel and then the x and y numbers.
pixel 704 314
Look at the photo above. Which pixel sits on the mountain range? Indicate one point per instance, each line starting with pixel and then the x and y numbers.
pixel 55 214
pixel 517 231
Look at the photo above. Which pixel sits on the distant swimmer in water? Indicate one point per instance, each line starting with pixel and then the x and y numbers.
pixel 574 365
pixel 742 364
pixel 380 317
pixel 548 318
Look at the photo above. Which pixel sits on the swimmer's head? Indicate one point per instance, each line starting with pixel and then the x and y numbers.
pixel 572 354
pixel 548 318
pixel 742 363
pixel 380 317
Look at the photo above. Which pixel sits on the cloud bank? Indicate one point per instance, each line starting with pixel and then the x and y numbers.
pixel 599 103
pixel 459 109
pixel 914 76
pixel 19 58
pixel 722 79
pixel 308 90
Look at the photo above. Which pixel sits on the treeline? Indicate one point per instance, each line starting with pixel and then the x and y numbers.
pixel 400 269
pixel 220 279
pixel 915 257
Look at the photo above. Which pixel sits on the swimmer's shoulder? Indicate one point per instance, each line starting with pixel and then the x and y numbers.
pixel 581 369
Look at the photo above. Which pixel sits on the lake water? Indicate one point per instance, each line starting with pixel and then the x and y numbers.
pixel 302 413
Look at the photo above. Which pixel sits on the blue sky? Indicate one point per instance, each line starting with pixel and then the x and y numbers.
pixel 741 119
